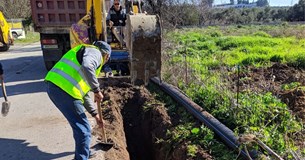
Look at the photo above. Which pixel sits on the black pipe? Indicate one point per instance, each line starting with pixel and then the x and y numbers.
pixel 220 129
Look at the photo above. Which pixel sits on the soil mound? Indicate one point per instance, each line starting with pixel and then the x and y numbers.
pixel 136 123
pixel 272 79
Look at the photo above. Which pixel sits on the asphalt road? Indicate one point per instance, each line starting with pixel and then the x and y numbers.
pixel 33 129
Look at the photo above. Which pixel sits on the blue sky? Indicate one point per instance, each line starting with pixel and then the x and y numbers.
pixel 271 2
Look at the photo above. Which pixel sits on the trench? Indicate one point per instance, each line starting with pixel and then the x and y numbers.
pixel 127 124
pixel 137 129
pixel 138 124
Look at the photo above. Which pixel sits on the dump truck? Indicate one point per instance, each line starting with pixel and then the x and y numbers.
pixel 138 53
pixel 6 39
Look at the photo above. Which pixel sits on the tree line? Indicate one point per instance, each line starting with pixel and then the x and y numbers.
pixel 200 12
pixel 190 12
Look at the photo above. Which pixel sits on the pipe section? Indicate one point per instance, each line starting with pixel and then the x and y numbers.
pixel 220 129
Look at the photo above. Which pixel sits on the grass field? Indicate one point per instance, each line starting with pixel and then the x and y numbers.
pixel 30 37
pixel 207 63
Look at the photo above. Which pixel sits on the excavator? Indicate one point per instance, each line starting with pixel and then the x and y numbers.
pixel 136 47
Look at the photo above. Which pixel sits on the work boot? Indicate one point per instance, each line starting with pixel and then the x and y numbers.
pixel 110 74
pixel 92 154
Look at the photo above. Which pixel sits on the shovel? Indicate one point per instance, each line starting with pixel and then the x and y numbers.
pixel 5 105
pixel 104 144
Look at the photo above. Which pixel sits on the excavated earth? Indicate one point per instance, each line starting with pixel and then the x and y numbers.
pixel 271 79
pixel 135 121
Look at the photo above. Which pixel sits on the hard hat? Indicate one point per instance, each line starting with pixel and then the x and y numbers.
pixel 103 46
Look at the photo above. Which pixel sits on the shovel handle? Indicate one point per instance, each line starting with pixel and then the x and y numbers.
pixel 3 90
pixel 101 118
pixel 98 105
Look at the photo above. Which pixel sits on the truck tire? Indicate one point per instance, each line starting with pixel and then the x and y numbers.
pixel 5 47
pixel 49 64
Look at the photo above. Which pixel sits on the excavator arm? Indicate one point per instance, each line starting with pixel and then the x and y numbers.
pixel 92 26
pixel 96 9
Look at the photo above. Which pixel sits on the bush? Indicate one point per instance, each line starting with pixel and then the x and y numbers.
pixel 262 34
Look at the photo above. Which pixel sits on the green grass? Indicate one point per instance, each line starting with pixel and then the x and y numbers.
pixel 255 50
pixel 30 37
pixel 211 55
pixel 189 131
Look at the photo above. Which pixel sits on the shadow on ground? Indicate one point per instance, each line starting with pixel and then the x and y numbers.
pixel 24 75
pixel 25 88
pixel 23 68
pixel 14 149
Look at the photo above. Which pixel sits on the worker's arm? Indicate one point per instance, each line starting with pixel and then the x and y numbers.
pixel 89 105
pixel 108 21
pixel 91 61
pixel 108 16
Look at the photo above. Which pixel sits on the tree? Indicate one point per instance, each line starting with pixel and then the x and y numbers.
pixel 210 2
pixel 242 1
pixel 16 8
pixel 297 12
pixel 203 8
pixel 262 3
pixel 180 12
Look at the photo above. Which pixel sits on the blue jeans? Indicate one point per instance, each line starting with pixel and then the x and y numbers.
pixel 74 112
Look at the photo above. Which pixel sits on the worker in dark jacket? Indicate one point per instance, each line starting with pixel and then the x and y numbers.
pixel 68 84
pixel 116 15
pixel 1 72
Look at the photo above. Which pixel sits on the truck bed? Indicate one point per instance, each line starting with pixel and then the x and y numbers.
pixel 54 15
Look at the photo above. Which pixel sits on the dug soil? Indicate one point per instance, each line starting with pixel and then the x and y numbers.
pixel 135 122
pixel 272 79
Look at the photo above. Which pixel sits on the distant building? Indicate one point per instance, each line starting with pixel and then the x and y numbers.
pixel 250 5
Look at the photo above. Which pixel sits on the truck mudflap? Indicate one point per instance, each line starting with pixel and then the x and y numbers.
pixel 53 47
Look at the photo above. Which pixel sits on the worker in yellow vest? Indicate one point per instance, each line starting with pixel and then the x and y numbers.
pixel 68 84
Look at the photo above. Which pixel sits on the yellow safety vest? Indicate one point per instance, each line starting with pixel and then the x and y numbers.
pixel 68 76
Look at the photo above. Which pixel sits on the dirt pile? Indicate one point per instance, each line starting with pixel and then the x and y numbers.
pixel 272 79
pixel 295 99
pixel 136 122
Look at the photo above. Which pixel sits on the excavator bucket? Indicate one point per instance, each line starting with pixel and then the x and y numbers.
pixel 143 40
